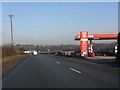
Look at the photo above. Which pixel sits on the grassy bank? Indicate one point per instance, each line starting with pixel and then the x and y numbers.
pixel 9 61
pixel 9 57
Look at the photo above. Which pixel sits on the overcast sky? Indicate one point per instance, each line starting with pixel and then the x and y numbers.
pixel 57 22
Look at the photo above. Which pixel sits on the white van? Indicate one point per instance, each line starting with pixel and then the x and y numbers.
pixel 35 52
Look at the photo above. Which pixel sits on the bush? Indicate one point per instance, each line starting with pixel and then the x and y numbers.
pixel 0 51
pixel 8 50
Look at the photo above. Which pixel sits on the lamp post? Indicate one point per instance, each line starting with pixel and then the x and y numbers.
pixel 11 28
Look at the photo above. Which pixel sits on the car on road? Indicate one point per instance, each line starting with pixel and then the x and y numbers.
pixel 35 53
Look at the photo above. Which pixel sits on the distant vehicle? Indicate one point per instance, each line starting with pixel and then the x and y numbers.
pixel 69 53
pixel 118 49
pixel 27 52
pixel 34 52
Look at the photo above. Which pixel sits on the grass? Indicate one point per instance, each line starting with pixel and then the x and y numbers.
pixel 9 57
pixel 11 60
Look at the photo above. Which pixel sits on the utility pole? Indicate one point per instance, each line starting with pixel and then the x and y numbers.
pixel 11 28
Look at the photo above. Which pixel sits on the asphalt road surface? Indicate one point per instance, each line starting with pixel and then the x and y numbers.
pixel 49 71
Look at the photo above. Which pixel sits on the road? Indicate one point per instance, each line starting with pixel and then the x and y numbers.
pixel 49 71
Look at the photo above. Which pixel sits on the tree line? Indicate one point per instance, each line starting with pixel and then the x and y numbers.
pixel 99 48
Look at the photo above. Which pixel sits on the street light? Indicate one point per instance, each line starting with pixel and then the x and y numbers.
pixel 11 28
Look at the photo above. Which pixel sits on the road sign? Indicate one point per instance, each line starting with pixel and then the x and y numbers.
pixel 84 43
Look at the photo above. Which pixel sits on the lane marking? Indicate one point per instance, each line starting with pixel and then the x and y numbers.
pixel 50 59
pixel 75 70
pixel 57 62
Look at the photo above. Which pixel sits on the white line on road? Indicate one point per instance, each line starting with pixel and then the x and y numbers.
pixel 75 70
pixel 70 58
pixel 50 59
pixel 57 62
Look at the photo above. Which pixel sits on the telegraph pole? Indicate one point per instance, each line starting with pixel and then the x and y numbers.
pixel 11 28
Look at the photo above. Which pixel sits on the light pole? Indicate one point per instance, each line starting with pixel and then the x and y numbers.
pixel 11 28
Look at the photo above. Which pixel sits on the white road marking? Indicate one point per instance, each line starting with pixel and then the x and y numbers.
pixel 50 59
pixel 57 62
pixel 75 70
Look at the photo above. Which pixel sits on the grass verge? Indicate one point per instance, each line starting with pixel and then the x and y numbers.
pixel 10 61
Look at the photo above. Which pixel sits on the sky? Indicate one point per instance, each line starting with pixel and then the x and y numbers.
pixel 55 23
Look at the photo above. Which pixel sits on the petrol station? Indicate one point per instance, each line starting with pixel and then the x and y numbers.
pixel 86 48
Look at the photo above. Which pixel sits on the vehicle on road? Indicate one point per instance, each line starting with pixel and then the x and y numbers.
pixel 35 53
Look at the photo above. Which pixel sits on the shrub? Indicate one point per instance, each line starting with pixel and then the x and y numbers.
pixel 8 50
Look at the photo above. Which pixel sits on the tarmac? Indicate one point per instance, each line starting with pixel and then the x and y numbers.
pixel 108 60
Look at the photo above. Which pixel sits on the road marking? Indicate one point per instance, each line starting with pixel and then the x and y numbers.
pixel 57 62
pixel 75 70
pixel 50 59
